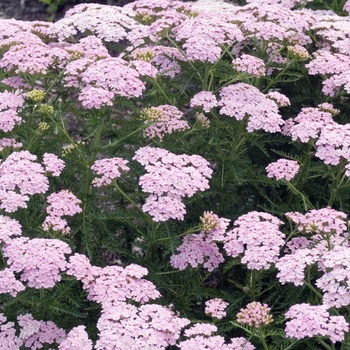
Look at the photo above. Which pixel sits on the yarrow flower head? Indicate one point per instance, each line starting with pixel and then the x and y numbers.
pixel 76 339
pixel 53 164
pixel 204 99
pixel 249 64
pixel 255 315
pixel 165 119
pixel 283 169
pixel 197 249
pixel 108 169
pixel 39 261
pixel 298 52
pixel 63 203
pixel 216 308
pixel 243 100
pixel 308 321
pixel 10 105
pixel 257 236
pixel 35 334
pixel 169 178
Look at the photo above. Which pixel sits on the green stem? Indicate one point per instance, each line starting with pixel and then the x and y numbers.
pixel 163 92
pixel 119 141
pixel 338 181
pixel 274 80
pixel 262 338
pixel 307 204
pixel 70 140
pixel 137 207
pixel 326 346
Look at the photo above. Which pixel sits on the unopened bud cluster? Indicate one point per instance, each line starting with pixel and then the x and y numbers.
pixel 36 95
pixel 255 315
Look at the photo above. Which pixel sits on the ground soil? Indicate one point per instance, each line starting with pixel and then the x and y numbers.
pixel 32 10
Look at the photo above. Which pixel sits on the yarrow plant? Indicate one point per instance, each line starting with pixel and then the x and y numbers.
pixel 174 175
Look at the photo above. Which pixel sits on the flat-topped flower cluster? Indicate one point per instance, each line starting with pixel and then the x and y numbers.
pixel 176 175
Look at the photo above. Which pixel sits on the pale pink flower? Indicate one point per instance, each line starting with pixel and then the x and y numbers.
pixel 204 99
pixel 257 236
pixel 39 261
pixel 109 23
pixel 203 36
pixel 77 339
pixel 8 228
pixel 308 124
pixel 197 250
pixel 347 7
pixel 309 321
pixel 63 203
pixel 214 226
pixel 114 75
pixel 8 338
pixel 108 169
pixel 149 326
pixel 95 97
pixel 9 143
pixel 33 58
pixel 170 177
pixel 164 119
pixel 255 315
pixel 318 221
pixel 283 169
pixel 216 308
pixel 53 164
pixel 249 64
pixel 280 99
pixel 9 283
pixel 201 329
pixel 334 283
pixel 291 267
pixel 10 105
pixel 21 172
pixel 35 334
pixel 243 100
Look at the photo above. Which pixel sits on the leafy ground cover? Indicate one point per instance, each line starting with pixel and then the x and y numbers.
pixel 175 175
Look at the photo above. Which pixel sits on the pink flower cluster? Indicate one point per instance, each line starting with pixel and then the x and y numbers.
pixel 257 236
pixel 249 64
pixel 39 261
pixel 308 124
pixel 283 169
pixel 53 164
pixel 203 36
pixel 76 339
pixel 216 308
pixel 169 178
pixel 9 143
pixel 309 321
pixel 107 78
pixel 201 248
pixel 20 175
pixel 255 315
pixel 335 281
pixel 63 203
pixel 33 334
pixel 197 249
pixel 243 100
pixel 200 337
pixel 10 105
pixel 123 324
pixel 109 169
pixel 204 99
pixel 164 119
pixel 8 228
